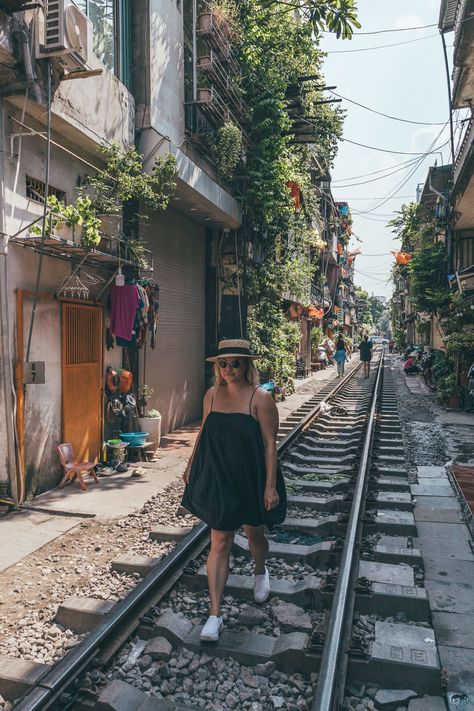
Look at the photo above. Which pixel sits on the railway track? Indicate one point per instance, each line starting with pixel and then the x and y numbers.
pixel 348 615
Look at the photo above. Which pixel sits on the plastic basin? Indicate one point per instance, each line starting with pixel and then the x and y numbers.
pixel 134 438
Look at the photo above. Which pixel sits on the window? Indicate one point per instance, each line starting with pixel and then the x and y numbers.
pixel 111 20
pixel 35 190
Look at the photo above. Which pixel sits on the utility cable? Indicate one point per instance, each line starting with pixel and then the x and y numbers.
pixel 373 172
pixel 380 177
pixel 372 148
pixel 396 29
pixel 380 46
pixel 393 118
pixel 45 215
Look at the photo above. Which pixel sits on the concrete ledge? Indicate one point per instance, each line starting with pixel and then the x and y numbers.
pixel 319 554
pixel 287 651
pixel 120 696
pixel 134 564
pixel 17 676
pixel 164 534
pixel 82 614
pixel 339 485
pixel 329 525
pixel 397 500
pixel 395 523
pixel 312 502
pixel 391 554
pixel 406 654
pixel 300 593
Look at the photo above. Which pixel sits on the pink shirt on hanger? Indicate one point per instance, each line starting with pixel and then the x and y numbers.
pixel 124 302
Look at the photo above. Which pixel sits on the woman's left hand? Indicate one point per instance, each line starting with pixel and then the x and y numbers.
pixel 270 498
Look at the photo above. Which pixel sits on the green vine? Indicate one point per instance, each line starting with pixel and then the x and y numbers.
pixel 227 150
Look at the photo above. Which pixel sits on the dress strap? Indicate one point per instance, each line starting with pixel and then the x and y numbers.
pixel 212 399
pixel 250 403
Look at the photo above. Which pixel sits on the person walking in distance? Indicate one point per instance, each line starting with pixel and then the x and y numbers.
pixel 233 478
pixel 365 349
pixel 340 355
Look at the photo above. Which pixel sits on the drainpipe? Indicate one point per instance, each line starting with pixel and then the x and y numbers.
pixel 29 81
pixel 8 478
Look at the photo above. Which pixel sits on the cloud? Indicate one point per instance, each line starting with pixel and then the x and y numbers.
pixel 409 21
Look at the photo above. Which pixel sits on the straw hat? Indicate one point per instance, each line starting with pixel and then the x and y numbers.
pixel 234 347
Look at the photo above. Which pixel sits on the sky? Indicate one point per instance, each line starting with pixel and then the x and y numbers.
pixel 406 81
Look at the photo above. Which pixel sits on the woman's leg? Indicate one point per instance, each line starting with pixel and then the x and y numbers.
pixel 339 368
pixel 218 567
pixel 258 546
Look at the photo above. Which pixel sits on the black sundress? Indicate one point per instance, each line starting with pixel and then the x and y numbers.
pixel 228 474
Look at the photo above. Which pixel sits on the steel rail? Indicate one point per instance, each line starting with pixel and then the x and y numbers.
pixel 328 669
pixel 55 681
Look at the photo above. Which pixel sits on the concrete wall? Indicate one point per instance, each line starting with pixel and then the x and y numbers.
pixel 167 69
pixel 43 402
pixel 175 369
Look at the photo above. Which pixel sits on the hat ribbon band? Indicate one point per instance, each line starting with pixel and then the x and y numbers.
pixel 240 350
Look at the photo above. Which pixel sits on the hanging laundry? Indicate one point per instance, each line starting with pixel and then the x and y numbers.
pixel 124 301
pixel 153 292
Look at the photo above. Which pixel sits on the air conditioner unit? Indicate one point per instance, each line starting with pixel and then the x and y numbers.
pixel 63 31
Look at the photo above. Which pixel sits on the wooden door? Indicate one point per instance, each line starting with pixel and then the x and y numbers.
pixel 82 381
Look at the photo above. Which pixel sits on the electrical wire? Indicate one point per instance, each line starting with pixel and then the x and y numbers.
pixel 374 148
pixel 401 184
pixel 380 113
pixel 380 46
pixel 380 177
pixel 396 29
pixel 372 172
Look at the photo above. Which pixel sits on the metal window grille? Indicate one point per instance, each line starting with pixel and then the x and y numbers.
pixel 35 190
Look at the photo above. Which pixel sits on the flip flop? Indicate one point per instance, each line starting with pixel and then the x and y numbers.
pixel 139 471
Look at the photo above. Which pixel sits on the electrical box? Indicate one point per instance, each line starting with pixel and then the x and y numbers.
pixel 33 372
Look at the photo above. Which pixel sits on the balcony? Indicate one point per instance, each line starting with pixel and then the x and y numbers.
pixel 463 56
pixel 227 84
pixel 463 178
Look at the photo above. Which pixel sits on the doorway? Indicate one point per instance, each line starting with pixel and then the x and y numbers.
pixel 82 381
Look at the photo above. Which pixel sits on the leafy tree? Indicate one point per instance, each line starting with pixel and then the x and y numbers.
pixel 376 309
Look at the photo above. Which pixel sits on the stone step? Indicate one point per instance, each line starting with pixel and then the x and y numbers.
pixel 164 534
pixel 397 500
pixel 386 597
pixel 393 554
pixel 327 526
pixel 326 442
pixel 82 614
pixel 120 696
pixel 292 468
pixel 395 523
pixel 322 503
pixel 404 652
pixel 318 554
pixel 18 676
pixel 130 564
pixel 288 651
pixel 316 460
pixel 315 486
pixel 328 451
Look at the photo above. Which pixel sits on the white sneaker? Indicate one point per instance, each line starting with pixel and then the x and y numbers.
pixel 261 587
pixel 212 629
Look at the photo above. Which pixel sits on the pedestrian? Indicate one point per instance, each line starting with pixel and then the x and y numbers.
pixel 391 345
pixel 410 366
pixel 365 349
pixel 233 478
pixel 340 355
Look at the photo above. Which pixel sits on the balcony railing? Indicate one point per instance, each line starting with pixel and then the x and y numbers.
pixel 464 150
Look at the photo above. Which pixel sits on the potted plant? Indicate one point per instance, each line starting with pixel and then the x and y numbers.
pixel 151 423
pixel 76 222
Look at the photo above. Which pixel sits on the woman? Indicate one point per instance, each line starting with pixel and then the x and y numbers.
pixel 233 478
pixel 366 354
pixel 340 356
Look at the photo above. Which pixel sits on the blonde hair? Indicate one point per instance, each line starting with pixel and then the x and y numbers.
pixel 251 373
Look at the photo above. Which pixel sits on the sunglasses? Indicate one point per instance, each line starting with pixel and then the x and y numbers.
pixel 233 363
